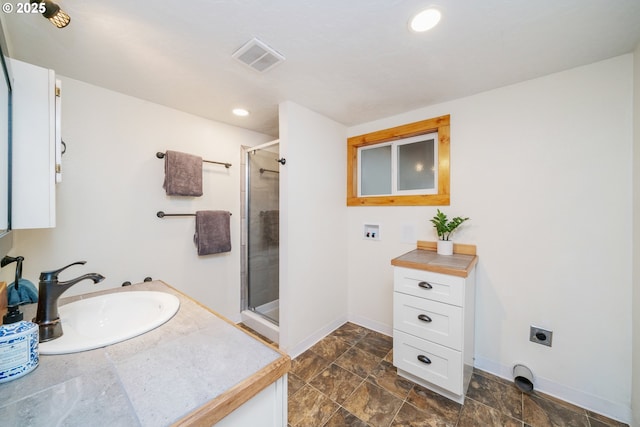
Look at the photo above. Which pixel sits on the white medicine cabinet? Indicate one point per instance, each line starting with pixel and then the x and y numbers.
pixel 36 158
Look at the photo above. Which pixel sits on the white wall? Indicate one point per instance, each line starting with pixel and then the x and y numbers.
pixel 543 169
pixel 635 402
pixel 313 249
pixel 112 189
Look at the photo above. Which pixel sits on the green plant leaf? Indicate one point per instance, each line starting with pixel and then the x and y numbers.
pixel 445 227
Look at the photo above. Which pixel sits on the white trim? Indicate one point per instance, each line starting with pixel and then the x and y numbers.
pixel 383 328
pixel 579 398
pixel 261 325
pixel 308 342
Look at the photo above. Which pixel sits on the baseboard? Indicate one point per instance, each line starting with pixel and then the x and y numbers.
pixel 383 328
pixel 308 342
pixel 588 401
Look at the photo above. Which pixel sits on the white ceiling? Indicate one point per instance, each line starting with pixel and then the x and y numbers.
pixel 353 61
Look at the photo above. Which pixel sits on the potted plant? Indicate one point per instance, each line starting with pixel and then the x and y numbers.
pixel 445 228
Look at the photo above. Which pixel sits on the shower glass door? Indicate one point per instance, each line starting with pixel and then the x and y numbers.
pixel 263 227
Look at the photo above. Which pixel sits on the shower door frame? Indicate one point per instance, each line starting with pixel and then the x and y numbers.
pixel 246 237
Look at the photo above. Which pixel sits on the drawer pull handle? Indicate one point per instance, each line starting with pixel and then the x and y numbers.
pixel 424 318
pixel 425 285
pixel 424 359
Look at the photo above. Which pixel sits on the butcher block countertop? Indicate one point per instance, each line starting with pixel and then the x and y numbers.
pixel 425 257
pixel 193 370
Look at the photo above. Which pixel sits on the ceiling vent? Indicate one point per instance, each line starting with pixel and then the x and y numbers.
pixel 258 56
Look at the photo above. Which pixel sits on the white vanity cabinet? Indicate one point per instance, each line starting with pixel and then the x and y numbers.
pixel 36 159
pixel 266 409
pixel 433 319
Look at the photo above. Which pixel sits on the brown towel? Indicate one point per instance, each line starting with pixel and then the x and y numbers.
pixel 270 227
pixel 182 174
pixel 213 233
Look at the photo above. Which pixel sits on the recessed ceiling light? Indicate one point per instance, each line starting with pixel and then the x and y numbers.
pixel 425 20
pixel 240 112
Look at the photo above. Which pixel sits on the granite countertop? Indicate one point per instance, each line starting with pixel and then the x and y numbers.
pixel 426 258
pixel 193 370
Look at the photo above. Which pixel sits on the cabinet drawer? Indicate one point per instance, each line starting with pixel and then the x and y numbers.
pixel 426 284
pixel 427 319
pixel 440 365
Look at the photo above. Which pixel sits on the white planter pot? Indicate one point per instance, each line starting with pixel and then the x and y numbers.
pixel 445 247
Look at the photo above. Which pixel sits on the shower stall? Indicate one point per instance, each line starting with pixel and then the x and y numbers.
pixel 260 239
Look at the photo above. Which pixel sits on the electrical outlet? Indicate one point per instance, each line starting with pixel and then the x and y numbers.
pixel 540 336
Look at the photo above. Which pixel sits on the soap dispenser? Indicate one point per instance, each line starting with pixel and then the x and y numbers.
pixel 18 344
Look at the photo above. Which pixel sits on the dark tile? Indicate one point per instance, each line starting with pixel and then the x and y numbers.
pixel 330 347
pixel 542 412
pixel 438 406
pixel 358 361
pixel 410 416
pixel 317 387
pixel 506 398
pixel 593 422
pixel 344 418
pixel 349 332
pixel 476 414
pixel 373 405
pixel 310 408
pixel 386 376
pixel 336 383
pixel 294 383
pixel 560 402
pixel 308 365
pixel 598 420
pixel 376 343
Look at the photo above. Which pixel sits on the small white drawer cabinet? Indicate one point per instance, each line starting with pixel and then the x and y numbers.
pixel 433 318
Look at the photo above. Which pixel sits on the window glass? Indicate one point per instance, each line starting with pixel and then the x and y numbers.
pixel 416 166
pixel 375 167
pixel 405 165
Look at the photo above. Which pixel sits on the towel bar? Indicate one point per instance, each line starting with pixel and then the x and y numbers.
pixel 226 165
pixel 161 214
pixel 263 170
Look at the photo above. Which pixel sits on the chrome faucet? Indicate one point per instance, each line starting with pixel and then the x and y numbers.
pixel 49 291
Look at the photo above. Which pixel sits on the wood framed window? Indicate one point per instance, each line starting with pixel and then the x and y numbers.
pixel 406 165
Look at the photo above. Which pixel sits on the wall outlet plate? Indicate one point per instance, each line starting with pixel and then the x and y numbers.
pixel 540 336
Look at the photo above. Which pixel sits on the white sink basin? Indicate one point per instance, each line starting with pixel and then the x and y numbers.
pixel 108 319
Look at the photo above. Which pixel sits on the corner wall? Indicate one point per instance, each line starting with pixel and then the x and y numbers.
pixel 543 170
pixel 313 218
pixel 112 189
pixel 635 395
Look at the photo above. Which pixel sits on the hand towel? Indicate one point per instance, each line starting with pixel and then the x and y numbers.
pixel 270 227
pixel 26 293
pixel 213 232
pixel 182 174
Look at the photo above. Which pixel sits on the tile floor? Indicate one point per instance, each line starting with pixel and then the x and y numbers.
pixel 347 379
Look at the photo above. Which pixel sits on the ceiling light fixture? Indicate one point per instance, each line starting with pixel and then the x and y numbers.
pixel 425 20
pixel 53 13
pixel 240 112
